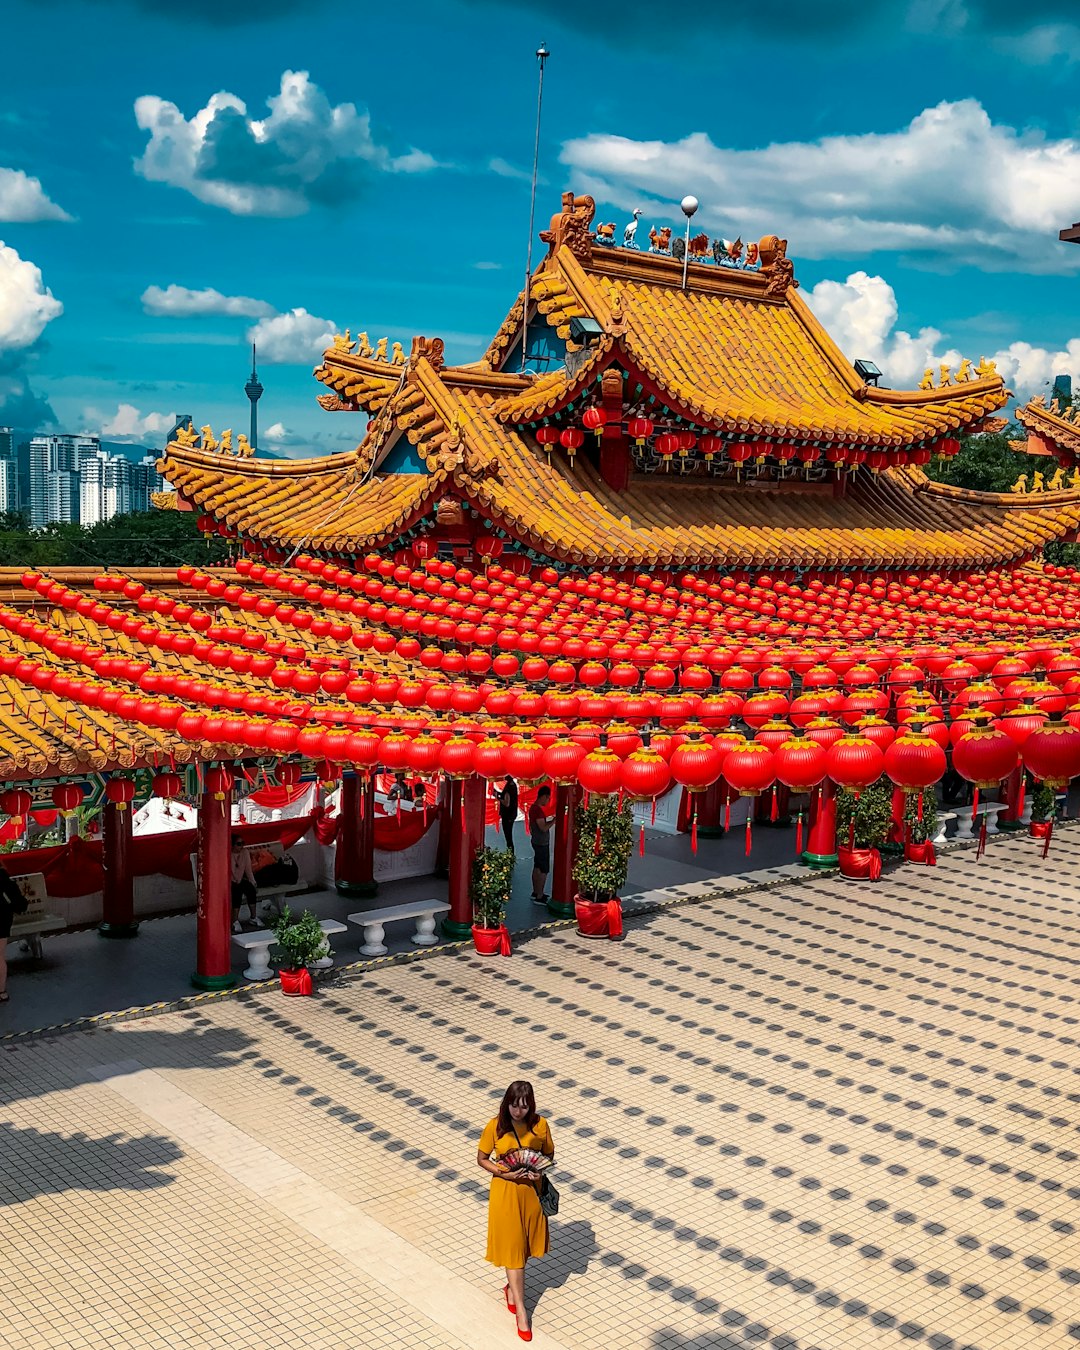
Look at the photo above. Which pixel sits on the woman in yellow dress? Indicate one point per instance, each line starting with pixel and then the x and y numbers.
pixel 517 1226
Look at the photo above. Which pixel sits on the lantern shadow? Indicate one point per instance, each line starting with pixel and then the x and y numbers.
pixel 45 1162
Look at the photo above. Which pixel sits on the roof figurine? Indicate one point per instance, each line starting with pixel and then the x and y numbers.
pixel 630 232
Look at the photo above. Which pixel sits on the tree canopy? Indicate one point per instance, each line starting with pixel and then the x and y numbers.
pixel 139 539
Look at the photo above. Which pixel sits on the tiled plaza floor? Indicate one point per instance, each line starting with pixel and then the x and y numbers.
pixel 817 1116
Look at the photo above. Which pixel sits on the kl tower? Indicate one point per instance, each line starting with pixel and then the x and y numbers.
pixel 254 391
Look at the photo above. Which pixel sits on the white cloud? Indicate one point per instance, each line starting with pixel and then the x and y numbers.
pixel 26 305
pixel 487 267
pixel 23 200
pixel 307 152
pixel 181 303
pixel 860 314
pixel 951 185
pixel 127 423
pixel 291 338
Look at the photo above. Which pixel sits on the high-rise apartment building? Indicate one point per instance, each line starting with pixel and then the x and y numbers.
pixel 54 477
pixel 145 480
pixel 105 486
pixel 9 471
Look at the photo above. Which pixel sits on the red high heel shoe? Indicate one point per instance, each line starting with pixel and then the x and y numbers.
pixel 506 1294
pixel 525 1335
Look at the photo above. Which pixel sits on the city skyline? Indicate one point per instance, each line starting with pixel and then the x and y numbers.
pixel 72 479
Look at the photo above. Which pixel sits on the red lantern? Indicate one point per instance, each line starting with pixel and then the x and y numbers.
pixel 749 769
pixel 915 761
pixel 547 436
pixel 219 782
pixel 67 797
pixel 799 763
pixel 571 439
pixel 640 428
pixel 120 792
pixel 854 762
pixel 16 803
pixel 457 758
pixel 561 760
pixel 985 756
pixel 1052 753
pixel 696 764
pixel 600 772
pixel 645 775
pixel 525 760
pixel 593 420
pixel 167 785
pixel 287 772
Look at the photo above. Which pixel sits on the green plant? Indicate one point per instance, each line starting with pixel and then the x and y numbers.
pixel 871 812
pixel 299 941
pixel 606 838
pixel 921 830
pixel 1042 802
pixel 489 891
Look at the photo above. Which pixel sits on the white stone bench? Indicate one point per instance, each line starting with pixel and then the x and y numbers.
pixel 943 820
pixel 261 892
pixel 373 922
pixel 965 827
pixel 258 944
pixel 27 928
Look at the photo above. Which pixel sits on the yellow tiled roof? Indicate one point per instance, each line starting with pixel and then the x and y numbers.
pixel 1048 430
pixel 733 359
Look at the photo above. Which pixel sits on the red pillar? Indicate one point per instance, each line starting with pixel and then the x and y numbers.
pixel 1009 819
pixel 213 959
pixel 118 891
pixel 897 823
pixel 466 836
pixel 442 846
pixel 821 843
pixel 710 808
pixel 354 861
pixel 563 888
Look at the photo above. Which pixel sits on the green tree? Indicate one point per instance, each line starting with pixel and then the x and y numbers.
pixel 986 463
pixel 140 539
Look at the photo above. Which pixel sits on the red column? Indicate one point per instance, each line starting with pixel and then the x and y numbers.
pixel 563 888
pixel 710 808
pixel 118 891
pixel 354 861
pixel 897 824
pixel 213 959
pixel 442 846
pixel 464 840
pixel 1009 819
pixel 821 843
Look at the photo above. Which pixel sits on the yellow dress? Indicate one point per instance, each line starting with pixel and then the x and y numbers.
pixel 517 1226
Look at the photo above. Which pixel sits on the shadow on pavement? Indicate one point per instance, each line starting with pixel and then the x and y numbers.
pixel 38 1162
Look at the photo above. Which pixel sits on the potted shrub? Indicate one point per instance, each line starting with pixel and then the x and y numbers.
pixel 919 841
pixel 300 942
pixel 605 839
pixel 862 826
pixel 492 873
pixel 1042 810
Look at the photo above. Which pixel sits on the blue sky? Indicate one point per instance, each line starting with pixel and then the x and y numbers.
pixel 919 155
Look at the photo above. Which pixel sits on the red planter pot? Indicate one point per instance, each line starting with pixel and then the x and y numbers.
pixel 295 983
pixel 599 919
pixel 921 853
pixel 1039 829
pixel 491 941
pixel 862 864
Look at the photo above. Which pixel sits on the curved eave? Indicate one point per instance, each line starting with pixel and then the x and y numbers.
pixel 1048 432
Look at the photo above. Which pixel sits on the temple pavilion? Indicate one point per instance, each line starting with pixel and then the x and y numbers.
pixel 660 493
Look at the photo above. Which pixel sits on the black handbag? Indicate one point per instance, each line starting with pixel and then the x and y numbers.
pixel 548 1195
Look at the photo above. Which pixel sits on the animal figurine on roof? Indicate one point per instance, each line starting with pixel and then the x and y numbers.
pixel 226 447
pixel 1058 481
pixel 985 368
pixel 699 247
pixel 208 442
pixel 946 376
pixel 927 381
pixel 660 240
pixel 752 256
pixel 243 447
pixel 605 233
pixel 186 435
pixel 629 234
pixel 380 349
pixel 1020 486
pixel 398 357
pixel 963 371
pixel 343 342
pixel 727 252
pixel 363 346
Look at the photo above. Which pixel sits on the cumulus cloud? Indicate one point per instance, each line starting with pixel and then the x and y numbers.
pixel 861 313
pixel 23 199
pixel 295 337
pixel 307 152
pixel 127 423
pixel 26 303
pixel 181 303
pixel 951 187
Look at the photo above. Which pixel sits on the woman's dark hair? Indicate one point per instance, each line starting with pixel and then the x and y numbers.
pixel 237 842
pixel 518 1091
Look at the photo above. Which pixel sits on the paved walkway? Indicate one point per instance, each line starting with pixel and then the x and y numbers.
pixel 813 1116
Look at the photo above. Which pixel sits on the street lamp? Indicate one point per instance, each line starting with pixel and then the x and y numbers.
pixel 689 206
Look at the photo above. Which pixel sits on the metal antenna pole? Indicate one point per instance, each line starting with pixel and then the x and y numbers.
pixel 542 55
pixel 689 206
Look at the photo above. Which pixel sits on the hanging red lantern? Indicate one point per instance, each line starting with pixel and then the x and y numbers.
pixel 749 769
pixel 799 763
pixel 120 792
pixel 67 797
pixel 985 756
pixel 167 785
pixel 16 803
pixel 854 762
pixel 1052 754
pixel 457 758
pixel 593 420
pixel 666 445
pixel 571 439
pixel 561 760
pixel 1019 723
pixel 287 772
pixel 219 782
pixel 645 775
pixel 640 429
pixel 696 764
pixel 525 760
pixel 600 772
pixel 547 436
pixel 914 761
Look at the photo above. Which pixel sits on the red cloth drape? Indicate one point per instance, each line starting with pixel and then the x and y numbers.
pixel 273 798
pixel 392 836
